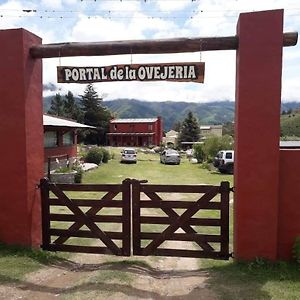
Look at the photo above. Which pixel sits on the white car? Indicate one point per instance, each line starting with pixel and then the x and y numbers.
pixel 224 161
pixel 129 155
pixel 170 156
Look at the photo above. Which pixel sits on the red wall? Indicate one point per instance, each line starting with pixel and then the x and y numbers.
pixel 289 202
pixel 21 130
pixel 257 128
pixel 56 151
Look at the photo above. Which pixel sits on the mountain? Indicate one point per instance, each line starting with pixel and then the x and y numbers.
pixel 217 112
pixel 208 113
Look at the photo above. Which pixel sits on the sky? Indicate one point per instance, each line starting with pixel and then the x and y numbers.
pixel 59 21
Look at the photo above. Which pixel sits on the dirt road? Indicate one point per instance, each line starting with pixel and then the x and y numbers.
pixel 89 276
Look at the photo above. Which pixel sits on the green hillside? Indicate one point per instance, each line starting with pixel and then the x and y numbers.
pixel 290 124
pixel 217 112
pixel 172 112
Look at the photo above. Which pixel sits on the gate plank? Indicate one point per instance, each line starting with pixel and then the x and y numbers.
pixel 46 239
pixel 92 226
pixel 163 188
pixel 225 217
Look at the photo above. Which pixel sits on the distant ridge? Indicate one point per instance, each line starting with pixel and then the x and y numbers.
pixel 216 112
pixel 172 112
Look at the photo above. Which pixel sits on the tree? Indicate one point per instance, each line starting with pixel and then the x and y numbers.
pixel 57 106
pixel 72 110
pixel 190 130
pixel 177 126
pixel 228 129
pixel 95 114
pixel 213 144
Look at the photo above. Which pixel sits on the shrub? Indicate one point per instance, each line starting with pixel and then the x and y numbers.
pixel 78 175
pixel 296 249
pixel 65 169
pixel 213 144
pixel 198 152
pixel 105 155
pixel 94 155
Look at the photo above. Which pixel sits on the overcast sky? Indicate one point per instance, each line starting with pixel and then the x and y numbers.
pixel 107 20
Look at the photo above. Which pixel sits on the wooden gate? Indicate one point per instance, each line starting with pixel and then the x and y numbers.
pixel 199 225
pixel 60 208
pixel 162 215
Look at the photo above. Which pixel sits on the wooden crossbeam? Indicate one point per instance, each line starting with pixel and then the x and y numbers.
pixel 156 46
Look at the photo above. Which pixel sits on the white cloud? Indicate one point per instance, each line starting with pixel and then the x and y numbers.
pixel 54 4
pixel 170 6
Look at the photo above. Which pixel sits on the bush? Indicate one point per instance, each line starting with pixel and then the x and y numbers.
pixel 296 249
pixel 213 144
pixel 78 175
pixel 94 155
pixel 105 155
pixel 198 152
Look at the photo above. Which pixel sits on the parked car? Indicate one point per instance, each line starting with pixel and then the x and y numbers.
pixel 224 161
pixel 170 156
pixel 129 155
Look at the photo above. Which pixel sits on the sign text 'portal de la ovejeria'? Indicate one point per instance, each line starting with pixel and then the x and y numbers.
pixel 192 72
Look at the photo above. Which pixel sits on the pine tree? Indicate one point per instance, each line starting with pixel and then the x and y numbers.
pixel 190 129
pixel 57 106
pixel 95 114
pixel 71 108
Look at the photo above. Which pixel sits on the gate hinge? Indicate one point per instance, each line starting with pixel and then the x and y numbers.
pixel 37 186
pixel 232 189
pixel 231 254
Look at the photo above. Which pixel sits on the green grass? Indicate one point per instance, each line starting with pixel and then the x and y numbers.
pixel 148 167
pixel 16 261
pixel 259 279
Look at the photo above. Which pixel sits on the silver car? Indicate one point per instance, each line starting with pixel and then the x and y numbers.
pixel 170 156
pixel 128 155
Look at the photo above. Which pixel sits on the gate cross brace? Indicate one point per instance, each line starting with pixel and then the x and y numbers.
pixel 174 216
pixel 90 213
pixel 181 220
pixel 85 220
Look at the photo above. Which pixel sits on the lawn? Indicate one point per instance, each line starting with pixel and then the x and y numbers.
pixel 258 279
pixel 148 167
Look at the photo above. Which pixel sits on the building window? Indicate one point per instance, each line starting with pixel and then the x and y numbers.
pixel 50 139
pixel 115 127
pixel 68 139
pixel 150 126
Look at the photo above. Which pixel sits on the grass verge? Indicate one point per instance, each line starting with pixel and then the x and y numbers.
pixel 16 261
pixel 258 279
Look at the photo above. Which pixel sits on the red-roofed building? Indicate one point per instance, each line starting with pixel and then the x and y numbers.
pixel 135 132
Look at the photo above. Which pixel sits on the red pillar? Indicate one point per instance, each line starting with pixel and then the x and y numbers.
pixel 21 131
pixel 258 96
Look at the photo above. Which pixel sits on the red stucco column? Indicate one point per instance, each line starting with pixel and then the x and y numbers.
pixel 258 96
pixel 21 131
